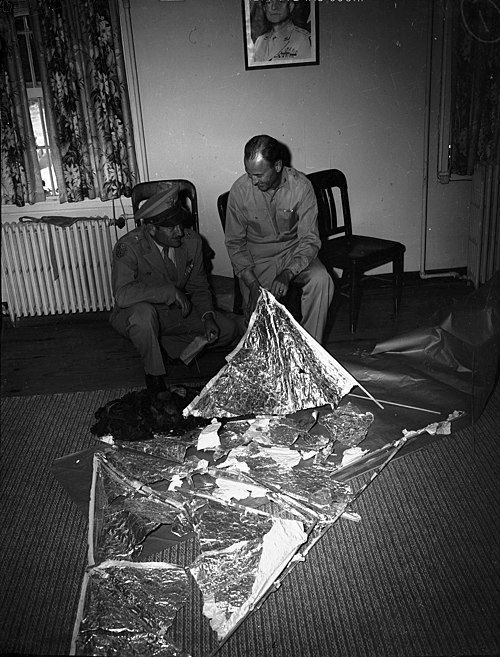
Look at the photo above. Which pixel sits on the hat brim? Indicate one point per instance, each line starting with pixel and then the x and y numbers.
pixel 168 219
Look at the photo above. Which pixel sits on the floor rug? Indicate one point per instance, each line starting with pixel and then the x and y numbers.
pixel 417 576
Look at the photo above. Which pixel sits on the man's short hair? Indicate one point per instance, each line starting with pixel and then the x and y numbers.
pixel 268 147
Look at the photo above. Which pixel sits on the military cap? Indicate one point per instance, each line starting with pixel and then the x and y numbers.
pixel 162 209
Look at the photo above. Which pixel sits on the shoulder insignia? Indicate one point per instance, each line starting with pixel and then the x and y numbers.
pixel 120 249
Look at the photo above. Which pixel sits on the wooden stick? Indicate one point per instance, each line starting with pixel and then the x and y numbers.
pixel 397 445
pixel 414 408
pixel 369 395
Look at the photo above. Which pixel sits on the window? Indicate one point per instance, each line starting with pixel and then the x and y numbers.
pixel 73 128
pixel 31 71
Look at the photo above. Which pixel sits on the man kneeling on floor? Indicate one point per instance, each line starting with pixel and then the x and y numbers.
pixel 161 291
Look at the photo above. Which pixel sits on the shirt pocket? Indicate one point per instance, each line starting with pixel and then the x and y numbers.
pixel 286 221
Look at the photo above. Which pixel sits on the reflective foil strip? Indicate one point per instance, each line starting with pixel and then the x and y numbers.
pixel 129 608
pixel 277 368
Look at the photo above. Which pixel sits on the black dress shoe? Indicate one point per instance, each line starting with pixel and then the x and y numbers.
pixel 155 383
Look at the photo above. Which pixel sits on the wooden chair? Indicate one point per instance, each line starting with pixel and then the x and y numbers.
pixel 292 299
pixel 187 193
pixel 354 254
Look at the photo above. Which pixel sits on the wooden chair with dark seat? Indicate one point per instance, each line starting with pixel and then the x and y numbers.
pixel 353 254
pixel 187 194
pixel 292 299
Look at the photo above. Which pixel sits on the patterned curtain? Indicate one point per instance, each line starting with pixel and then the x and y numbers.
pixel 21 179
pixel 476 86
pixel 86 96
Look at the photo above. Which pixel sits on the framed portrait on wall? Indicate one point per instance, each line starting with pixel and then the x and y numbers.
pixel 280 33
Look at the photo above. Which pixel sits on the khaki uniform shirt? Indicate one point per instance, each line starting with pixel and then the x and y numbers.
pixel 278 227
pixel 291 43
pixel 139 272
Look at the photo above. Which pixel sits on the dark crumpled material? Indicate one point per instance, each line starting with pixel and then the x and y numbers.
pixel 139 415
pixel 461 349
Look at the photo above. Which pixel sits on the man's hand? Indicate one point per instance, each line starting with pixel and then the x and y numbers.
pixel 211 328
pixel 182 302
pixel 279 288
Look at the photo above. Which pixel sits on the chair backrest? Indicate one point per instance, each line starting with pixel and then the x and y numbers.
pixel 222 207
pixel 187 193
pixel 330 221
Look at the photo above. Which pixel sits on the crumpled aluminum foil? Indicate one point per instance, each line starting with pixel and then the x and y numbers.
pixel 347 425
pixel 123 516
pixel 219 525
pixel 277 368
pixel 226 578
pixel 144 467
pixel 313 485
pixel 164 446
pixel 129 608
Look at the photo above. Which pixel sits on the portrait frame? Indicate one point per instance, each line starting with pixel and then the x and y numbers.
pixel 289 49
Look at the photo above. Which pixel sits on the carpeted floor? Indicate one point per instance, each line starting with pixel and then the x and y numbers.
pixel 418 576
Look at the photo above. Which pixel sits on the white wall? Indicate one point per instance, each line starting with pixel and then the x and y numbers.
pixel 361 110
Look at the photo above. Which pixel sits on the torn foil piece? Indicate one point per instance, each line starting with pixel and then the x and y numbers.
pixel 147 468
pixel 347 425
pixel 313 484
pixel 234 579
pixel 276 369
pixel 126 609
pixel 121 515
pixel 220 526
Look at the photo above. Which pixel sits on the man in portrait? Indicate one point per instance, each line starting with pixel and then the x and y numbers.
pixel 284 40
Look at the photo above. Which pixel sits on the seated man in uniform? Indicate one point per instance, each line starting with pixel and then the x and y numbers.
pixel 272 234
pixel 161 292
pixel 285 40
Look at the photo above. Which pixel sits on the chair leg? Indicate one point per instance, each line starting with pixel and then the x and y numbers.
pixel 355 299
pixel 339 286
pixel 397 269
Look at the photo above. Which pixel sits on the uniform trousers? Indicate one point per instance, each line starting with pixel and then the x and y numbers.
pixel 317 293
pixel 148 325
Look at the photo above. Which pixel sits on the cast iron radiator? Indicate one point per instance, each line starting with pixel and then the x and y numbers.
pixel 48 270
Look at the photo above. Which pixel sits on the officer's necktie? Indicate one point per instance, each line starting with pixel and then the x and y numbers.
pixel 169 259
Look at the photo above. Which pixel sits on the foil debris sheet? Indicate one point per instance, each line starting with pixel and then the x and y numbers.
pixel 158 512
pixel 170 448
pixel 347 425
pixel 142 466
pixel 129 607
pixel 232 434
pixel 312 484
pixel 276 430
pixel 234 580
pixel 277 369
pixel 233 571
pixel 123 516
pixel 226 579
pixel 219 525
pixel 113 533
pixel 147 468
